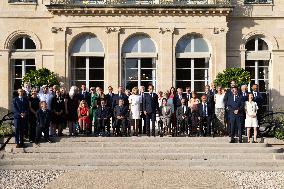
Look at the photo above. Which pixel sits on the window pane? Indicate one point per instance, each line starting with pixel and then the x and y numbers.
pixel 250 62
pixel 200 45
pixel 147 63
pixel 29 68
pixel 17 84
pixel 263 85
pixel 201 63
pixel 263 73
pixel 183 63
pixel 184 45
pixel 250 45
pixel 199 74
pixel 263 63
pixel 147 74
pixel 182 84
pixel 262 45
pixel 131 84
pixel 184 74
pixel 78 83
pixel 96 84
pixel 80 62
pixel 251 71
pixel 146 84
pixel 96 74
pixel 132 74
pixel 96 62
pixel 80 74
pixel 199 86
pixel 29 43
pixel 18 44
pixel 131 63
pixel 147 45
pixel 18 72
pixel 18 62
pixel 30 62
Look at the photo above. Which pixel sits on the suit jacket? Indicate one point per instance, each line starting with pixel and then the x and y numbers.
pixel 116 99
pixel 238 104
pixel 177 101
pixel 180 112
pixel 121 111
pixel 210 98
pixel 165 111
pixel 258 99
pixel 210 110
pixel 103 113
pixel 110 98
pixel 43 118
pixel 20 106
pixel 244 96
pixel 150 104
pixel 86 96
pixel 228 95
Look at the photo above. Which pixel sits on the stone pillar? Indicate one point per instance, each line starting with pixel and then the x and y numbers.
pixel 165 71
pixel 5 78
pixel 60 64
pixel 112 58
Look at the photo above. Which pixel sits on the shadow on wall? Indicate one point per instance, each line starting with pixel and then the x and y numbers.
pixel 3 111
pixel 240 9
pixel 276 101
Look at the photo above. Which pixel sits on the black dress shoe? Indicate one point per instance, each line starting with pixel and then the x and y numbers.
pixel 240 141
pixel 232 141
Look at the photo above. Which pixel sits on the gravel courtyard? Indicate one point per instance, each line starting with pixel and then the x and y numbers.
pixel 35 179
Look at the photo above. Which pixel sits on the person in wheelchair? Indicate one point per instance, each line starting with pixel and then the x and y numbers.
pixel 121 121
pixel 206 114
pixel 165 118
pixel 103 115
pixel 183 116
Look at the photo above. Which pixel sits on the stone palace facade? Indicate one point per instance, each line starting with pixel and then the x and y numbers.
pixel 137 42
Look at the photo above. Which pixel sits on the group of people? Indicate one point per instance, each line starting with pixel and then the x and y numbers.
pixel 218 112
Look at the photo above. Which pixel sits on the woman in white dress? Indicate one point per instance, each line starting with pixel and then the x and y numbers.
pixel 135 101
pixel 220 111
pixel 251 118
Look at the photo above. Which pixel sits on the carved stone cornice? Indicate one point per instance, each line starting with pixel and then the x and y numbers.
pixel 113 29
pixel 167 29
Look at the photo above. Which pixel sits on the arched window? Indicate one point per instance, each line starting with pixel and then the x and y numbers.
pixel 139 62
pixel 257 63
pixel 87 62
pixel 19 62
pixel 192 63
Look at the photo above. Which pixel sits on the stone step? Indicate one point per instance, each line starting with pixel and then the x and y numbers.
pixel 151 149
pixel 158 156
pixel 143 162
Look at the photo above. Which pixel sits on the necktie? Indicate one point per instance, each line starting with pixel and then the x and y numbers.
pixel 204 111
pixel 244 94
pixel 151 94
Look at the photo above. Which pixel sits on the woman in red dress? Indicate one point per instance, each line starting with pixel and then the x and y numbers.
pixel 83 116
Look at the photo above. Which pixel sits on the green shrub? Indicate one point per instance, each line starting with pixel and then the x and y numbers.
pixel 239 75
pixel 5 130
pixel 41 77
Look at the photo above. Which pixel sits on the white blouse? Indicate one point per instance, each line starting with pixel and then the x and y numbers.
pixel 219 101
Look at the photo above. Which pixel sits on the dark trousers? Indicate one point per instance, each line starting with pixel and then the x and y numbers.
pixel 206 125
pixel 32 128
pixel 182 126
pixel 152 117
pixel 19 130
pixel 142 127
pixel 236 123
pixel 44 130
pixel 102 124
pixel 121 126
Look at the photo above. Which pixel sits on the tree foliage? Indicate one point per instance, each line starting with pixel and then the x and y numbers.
pixel 41 77
pixel 239 75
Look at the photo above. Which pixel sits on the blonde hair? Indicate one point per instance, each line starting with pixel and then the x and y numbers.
pixel 135 90
pixel 81 103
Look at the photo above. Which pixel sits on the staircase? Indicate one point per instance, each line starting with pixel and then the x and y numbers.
pixel 144 153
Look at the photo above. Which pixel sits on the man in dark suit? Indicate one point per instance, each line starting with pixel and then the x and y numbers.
pixel 120 95
pixel 20 109
pixel 177 98
pixel 150 107
pixel 103 115
pixel 43 122
pixel 188 94
pixel 142 129
pixel 235 108
pixel 244 93
pixel 85 95
pixel 209 97
pixel 257 97
pixel 110 97
pixel 183 115
pixel 121 114
pixel 206 113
